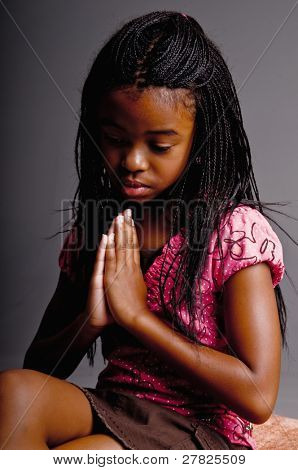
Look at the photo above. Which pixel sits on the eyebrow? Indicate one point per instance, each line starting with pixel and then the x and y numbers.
pixel 110 122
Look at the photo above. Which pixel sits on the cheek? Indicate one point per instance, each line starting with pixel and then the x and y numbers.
pixel 168 172
pixel 182 162
pixel 178 163
pixel 110 155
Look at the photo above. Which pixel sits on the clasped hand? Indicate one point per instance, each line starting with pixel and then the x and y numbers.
pixel 117 290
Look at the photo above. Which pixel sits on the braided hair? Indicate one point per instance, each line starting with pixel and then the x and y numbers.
pixel 170 49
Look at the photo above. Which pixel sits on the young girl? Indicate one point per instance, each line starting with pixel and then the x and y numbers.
pixel 183 292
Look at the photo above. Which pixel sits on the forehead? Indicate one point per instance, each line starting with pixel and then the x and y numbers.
pixel 152 105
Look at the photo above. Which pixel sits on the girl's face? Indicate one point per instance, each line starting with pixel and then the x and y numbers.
pixel 145 136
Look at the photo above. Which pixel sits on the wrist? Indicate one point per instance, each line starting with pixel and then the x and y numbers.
pixel 130 319
pixel 90 328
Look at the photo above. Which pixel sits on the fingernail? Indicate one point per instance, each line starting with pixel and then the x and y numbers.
pixel 120 219
pixel 111 237
pixel 128 212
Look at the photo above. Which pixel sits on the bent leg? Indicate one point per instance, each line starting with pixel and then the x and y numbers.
pixel 38 411
pixel 94 441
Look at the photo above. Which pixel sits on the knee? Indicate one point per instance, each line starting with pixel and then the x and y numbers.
pixel 17 389
pixel 12 381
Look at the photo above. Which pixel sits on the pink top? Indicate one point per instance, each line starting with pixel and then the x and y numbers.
pixel 247 238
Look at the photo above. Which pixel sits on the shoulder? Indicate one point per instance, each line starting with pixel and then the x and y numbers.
pixel 248 224
pixel 245 238
pixel 244 216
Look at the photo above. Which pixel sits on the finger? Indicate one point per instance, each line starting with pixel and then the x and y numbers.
pixel 112 227
pixel 100 258
pixel 110 258
pixel 128 237
pixel 136 248
pixel 120 244
pixel 110 230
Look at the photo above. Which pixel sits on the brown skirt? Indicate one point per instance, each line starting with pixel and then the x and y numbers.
pixel 140 424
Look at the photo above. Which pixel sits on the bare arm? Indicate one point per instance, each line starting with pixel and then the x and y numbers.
pixel 64 336
pixel 246 381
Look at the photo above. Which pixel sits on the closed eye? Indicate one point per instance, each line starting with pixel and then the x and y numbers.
pixel 159 149
pixel 118 142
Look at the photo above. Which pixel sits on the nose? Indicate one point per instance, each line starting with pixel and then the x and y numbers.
pixel 134 160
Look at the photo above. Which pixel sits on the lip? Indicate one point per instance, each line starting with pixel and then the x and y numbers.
pixel 134 183
pixel 135 191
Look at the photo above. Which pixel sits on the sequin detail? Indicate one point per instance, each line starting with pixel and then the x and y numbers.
pixel 247 238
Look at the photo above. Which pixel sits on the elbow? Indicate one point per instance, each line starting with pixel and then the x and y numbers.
pixel 29 362
pixel 260 418
pixel 33 363
pixel 260 400
pixel 255 415
pixel 263 413
pixel 32 359
pixel 255 406
pixel 261 409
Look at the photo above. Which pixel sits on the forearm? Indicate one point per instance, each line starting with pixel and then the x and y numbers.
pixel 60 355
pixel 223 375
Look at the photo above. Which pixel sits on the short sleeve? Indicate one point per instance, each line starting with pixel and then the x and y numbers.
pixel 247 238
pixel 69 253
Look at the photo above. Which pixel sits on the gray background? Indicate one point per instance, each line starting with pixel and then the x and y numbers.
pixel 48 48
